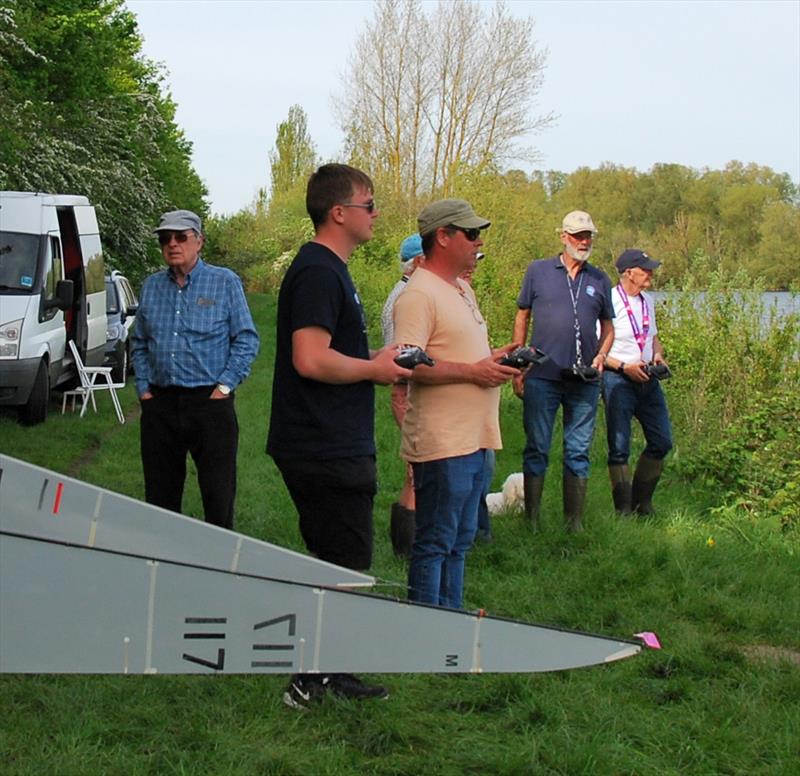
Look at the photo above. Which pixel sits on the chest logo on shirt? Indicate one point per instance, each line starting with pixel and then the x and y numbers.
pixel 360 312
pixel 590 290
pixel 204 301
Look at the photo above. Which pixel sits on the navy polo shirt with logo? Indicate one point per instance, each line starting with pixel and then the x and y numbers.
pixel 545 292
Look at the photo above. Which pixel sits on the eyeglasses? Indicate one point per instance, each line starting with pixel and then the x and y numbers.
pixel 470 234
pixel 165 237
pixel 581 236
pixel 476 313
pixel 368 206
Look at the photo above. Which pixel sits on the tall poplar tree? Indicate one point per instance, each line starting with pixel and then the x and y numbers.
pixel 429 96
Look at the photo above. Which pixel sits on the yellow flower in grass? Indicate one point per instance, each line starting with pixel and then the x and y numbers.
pixel 710 542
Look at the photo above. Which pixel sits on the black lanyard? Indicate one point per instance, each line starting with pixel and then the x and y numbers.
pixel 574 296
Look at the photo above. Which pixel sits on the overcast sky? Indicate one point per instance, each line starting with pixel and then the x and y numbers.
pixel 634 83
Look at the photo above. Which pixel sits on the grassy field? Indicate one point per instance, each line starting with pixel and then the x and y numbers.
pixel 722 697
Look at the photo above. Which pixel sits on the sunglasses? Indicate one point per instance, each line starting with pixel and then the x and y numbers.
pixel 165 237
pixel 470 234
pixel 368 206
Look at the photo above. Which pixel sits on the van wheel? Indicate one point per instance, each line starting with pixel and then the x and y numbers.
pixel 35 411
pixel 119 374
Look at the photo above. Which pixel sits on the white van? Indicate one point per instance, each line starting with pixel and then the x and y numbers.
pixel 52 290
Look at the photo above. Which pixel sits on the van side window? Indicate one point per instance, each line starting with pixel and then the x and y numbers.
pixel 53 273
pixel 93 260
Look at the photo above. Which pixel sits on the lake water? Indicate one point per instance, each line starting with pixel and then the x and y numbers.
pixel 784 302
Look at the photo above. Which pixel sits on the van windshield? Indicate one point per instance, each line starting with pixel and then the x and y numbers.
pixel 18 253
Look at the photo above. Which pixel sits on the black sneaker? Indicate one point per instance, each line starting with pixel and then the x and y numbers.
pixel 349 686
pixel 305 689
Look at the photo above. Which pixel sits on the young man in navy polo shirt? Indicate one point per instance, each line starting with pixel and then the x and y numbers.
pixel 566 297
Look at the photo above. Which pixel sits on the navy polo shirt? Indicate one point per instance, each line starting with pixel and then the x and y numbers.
pixel 545 292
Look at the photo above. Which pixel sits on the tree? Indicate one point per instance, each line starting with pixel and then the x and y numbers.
pixel 83 113
pixel 427 97
pixel 294 157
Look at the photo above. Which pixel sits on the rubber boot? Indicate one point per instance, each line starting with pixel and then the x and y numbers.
pixel 401 530
pixel 620 475
pixel 534 484
pixel 648 472
pixel 574 496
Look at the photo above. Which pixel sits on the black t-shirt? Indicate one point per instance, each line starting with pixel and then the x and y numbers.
pixel 311 419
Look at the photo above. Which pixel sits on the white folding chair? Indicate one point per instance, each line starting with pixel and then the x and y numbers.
pixel 88 376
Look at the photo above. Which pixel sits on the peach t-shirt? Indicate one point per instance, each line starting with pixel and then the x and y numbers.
pixel 444 421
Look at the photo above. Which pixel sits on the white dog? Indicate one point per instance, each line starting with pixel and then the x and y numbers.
pixel 511 498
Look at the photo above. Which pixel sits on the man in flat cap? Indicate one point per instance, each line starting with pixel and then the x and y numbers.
pixel 193 344
pixel 565 296
pixel 452 418
pixel 632 390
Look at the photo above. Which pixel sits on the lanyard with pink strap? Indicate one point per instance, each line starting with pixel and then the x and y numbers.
pixel 640 335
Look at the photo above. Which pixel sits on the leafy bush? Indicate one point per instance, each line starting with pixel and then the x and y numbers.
pixel 756 462
pixel 735 399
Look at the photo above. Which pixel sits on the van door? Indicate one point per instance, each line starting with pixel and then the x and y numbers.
pixel 83 264
pixel 92 251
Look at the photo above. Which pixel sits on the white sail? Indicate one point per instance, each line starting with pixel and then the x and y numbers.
pixel 77 607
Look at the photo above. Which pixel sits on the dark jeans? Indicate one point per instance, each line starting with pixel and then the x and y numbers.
pixel 484 519
pixel 334 500
pixel 177 421
pixel 625 400
pixel 541 402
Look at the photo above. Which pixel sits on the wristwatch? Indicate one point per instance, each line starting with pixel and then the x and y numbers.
pixel 223 389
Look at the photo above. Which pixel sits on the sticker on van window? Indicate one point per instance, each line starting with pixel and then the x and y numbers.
pixel 26 281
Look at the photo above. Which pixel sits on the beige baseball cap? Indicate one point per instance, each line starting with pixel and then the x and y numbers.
pixel 577 221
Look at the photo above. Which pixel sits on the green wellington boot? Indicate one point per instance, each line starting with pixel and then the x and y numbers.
pixel 534 484
pixel 574 496
pixel 648 472
pixel 620 475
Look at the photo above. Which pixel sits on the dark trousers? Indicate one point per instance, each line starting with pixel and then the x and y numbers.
pixel 177 421
pixel 334 497
pixel 626 400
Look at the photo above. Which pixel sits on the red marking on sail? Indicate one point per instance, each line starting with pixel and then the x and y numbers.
pixel 57 501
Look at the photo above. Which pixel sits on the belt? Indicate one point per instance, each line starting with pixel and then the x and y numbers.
pixel 180 390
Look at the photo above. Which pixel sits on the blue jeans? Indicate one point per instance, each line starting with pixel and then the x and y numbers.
pixel 541 402
pixel 447 493
pixel 625 400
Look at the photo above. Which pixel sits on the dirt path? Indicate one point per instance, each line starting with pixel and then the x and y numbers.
pixel 90 453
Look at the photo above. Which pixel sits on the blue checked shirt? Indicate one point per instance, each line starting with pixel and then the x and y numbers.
pixel 201 334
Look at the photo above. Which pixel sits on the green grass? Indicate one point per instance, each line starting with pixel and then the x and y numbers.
pixel 699 706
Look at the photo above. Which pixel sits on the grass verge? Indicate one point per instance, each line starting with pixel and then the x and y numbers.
pixel 720 698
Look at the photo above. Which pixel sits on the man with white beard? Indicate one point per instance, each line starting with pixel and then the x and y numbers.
pixel 566 297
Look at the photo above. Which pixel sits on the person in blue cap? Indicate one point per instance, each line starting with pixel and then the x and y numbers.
pixel 403 518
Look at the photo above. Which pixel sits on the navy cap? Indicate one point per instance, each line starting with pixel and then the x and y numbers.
pixel 633 257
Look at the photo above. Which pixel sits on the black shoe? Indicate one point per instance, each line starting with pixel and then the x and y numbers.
pixel 349 686
pixel 305 689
